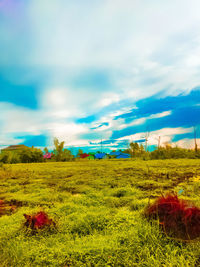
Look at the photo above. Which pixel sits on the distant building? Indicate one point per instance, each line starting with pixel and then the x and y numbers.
pixel 123 156
pixel 91 157
pixel 15 148
pixel 84 155
pixel 115 153
pixel 47 155
pixel 119 155
pixel 100 155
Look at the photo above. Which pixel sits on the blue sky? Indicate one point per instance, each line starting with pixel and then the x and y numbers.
pixel 92 72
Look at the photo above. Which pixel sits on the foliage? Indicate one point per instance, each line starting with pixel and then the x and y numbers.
pixel 67 155
pixel 31 155
pixel 169 152
pixel 46 150
pixel 61 154
pixel 10 157
pixel 136 150
pixel 80 152
pixel 58 151
pixel 26 155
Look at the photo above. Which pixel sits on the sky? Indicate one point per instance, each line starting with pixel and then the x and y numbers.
pixel 99 73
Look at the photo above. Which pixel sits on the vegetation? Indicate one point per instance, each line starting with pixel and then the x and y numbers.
pixel 25 155
pixel 98 209
pixel 177 217
pixel 28 155
pixel 136 150
pixel 59 152
pixel 169 152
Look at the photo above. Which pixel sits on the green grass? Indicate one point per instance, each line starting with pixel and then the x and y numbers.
pixel 98 209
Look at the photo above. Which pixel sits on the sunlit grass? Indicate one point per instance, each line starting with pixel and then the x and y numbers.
pixel 98 209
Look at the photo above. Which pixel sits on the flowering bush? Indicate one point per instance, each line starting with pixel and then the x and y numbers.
pixel 38 221
pixel 177 218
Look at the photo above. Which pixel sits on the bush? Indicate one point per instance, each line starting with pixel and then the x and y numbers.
pixel 26 155
pixel 174 153
pixel 177 218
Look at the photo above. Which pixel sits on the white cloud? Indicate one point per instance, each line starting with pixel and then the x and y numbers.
pixel 65 131
pixel 160 115
pixel 58 103
pixel 18 119
pixel 123 125
pixel 187 143
pixel 23 121
pixel 138 40
pixel 107 99
pixel 165 134
pixel 143 46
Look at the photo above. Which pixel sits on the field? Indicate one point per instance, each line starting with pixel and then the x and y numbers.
pixel 98 209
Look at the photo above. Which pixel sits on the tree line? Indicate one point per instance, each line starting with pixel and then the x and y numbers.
pixel 59 153
pixel 162 152
pixel 32 154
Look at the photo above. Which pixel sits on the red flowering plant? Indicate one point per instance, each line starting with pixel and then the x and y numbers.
pixel 177 217
pixel 37 221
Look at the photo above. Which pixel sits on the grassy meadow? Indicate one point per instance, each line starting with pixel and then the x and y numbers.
pixel 98 209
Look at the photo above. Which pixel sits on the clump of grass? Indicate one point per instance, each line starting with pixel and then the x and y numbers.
pixel 120 193
pixel 89 224
pixel 177 218
pixel 38 221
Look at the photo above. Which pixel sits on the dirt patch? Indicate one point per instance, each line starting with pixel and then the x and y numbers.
pixel 147 187
pixel 16 203
pixel 9 207
pixel 70 189
pixel 6 209
pixel 128 169
pixel 24 183
pixel 52 184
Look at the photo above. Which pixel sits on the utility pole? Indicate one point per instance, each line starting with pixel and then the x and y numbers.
pixel 158 139
pixel 146 139
pixel 195 139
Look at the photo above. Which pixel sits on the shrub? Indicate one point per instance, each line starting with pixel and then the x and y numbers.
pixel 38 221
pixel 177 218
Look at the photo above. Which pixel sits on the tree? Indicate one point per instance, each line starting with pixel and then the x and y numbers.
pixel 158 139
pixel 147 134
pixel 58 151
pixel 31 155
pixel 46 150
pixel 67 155
pixel 142 151
pixel 134 149
pixel 80 152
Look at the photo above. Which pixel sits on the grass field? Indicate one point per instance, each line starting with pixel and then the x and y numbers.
pixel 98 209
